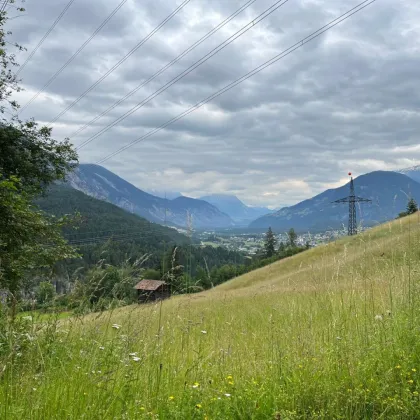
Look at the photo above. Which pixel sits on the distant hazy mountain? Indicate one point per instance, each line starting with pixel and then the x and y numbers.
pixel 389 192
pixel 100 183
pixel 235 208
pixel 413 172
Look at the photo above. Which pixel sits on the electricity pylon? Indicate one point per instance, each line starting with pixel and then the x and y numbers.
pixel 352 199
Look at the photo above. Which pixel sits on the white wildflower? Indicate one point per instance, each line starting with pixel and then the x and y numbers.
pixel 378 318
pixel 116 326
pixel 136 359
pixel 133 354
pixel 101 347
pixel 227 395
pixel 203 331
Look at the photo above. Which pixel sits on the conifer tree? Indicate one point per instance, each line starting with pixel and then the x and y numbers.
pixel 292 238
pixel 269 244
pixel 411 206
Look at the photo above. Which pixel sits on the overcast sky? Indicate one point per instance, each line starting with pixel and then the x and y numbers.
pixel 346 101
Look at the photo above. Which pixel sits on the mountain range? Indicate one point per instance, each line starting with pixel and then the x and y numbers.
pixel 240 213
pixel 389 192
pixel 413 172
pixel 98 182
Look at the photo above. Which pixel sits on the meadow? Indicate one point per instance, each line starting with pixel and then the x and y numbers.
pixel 331 333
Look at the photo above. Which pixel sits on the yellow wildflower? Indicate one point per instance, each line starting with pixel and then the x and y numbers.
pixel 230 382
pixel 198 406
pixel 229 377
pixel 196 385
pixel 414 370
pixel 171 397
pixel 398 367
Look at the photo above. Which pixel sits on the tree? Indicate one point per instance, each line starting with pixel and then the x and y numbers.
pixel 292 238
pixel 411 206
pixel 45 292
pixel 30 161
pixel 30 242
pixel 269 244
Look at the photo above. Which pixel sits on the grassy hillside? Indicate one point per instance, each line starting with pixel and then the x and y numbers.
pixel 330 333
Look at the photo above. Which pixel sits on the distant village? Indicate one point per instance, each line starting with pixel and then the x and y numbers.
pixel 251 243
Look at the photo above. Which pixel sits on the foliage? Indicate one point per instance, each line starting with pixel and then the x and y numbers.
pixel 30 154
pixel 45 292
pixel 269 244
pixel 105 282
pixel 175 272
pixel 292 237
pixel 9 82
pixel 30 242
pixel 412 207
pixel 30 160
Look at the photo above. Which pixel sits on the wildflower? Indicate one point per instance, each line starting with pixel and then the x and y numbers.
pixel 230 382
pixel 171 397
pixel 414 370
pixel 227 395
pixel 398 367
pixel 102 348
pixel 133 354
pixel 378 318
pixel 33 389
pixel 415 393
pixel 142 408
pixel 136 359
pixel 203 331
pixel 410 381
pixel 196 385
pixel 116 326
pixel 198 406
pixel 229 377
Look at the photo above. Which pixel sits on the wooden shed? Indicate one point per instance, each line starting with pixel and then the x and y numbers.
pixel 151 290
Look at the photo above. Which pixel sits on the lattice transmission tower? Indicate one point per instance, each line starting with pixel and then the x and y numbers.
pixel 352 199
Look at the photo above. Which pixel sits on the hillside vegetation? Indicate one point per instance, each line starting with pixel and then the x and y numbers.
pixel 329 333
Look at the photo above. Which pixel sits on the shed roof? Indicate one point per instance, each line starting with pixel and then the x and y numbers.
pixel 149 284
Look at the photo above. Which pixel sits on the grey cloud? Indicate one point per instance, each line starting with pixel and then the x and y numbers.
pixel 342 102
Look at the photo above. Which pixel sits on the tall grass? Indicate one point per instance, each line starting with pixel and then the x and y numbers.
pixel 330 333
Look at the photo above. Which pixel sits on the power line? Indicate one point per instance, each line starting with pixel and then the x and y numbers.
pixel 45 36
pixel 81 48
pixel 132 51
pixel 197 64
pixel 4 5
pixel 163 69
pixel 258 69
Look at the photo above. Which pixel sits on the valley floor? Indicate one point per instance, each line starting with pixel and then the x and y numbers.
pixel 330 333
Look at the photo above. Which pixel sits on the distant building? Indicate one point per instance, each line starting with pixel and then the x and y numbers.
pixel 152 290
